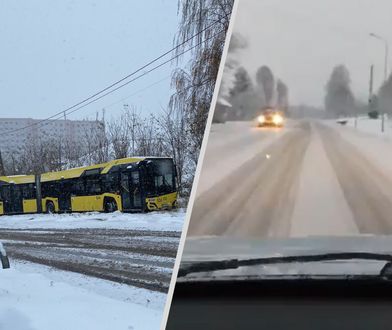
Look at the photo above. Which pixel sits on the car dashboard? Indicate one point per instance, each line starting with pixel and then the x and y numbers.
pixel 362 303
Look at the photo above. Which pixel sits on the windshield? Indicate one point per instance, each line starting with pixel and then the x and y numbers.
pixel 296 162
pixel 160 176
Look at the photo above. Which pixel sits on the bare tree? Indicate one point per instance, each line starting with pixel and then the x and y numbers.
pixel 195 86
pixel 38 156
pixel 74 156
pixel 175 138
pixel 149 138
pixel 96 144
pixel 2 168
pixel 119 133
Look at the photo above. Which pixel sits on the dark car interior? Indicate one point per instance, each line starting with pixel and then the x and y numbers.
pixel 337 303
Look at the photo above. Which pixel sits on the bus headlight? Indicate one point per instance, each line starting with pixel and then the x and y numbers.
pixel 261 119
pixel 277 119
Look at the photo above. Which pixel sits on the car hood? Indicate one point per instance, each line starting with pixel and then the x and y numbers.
pixel 201 249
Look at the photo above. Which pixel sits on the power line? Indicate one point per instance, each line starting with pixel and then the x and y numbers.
pixel 204 82
pixel 63 112
pixel 133 94
pixel 143 74
pixel 138 92
pixel 113 90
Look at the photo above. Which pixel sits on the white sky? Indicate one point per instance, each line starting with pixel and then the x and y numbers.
pixel 55 53
pixel 302 40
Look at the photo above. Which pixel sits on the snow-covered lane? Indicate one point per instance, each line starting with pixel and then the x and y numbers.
pixel 320 202
pixel 163 221
pixel 343 186
pixel 35 297
pixel 119 255
pixel 231 145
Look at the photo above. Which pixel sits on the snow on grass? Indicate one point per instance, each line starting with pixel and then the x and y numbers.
pixel 35 297
pixel 369 140
pixel 371 126
pixel 165 221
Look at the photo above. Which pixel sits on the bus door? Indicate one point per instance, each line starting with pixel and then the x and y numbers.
pixel 136 194
pixel 12 199
pixel 64 194
pixel 131 191
pixel 125 194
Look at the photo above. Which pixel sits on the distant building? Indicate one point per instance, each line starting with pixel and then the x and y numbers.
pixel 221 109
pixel 14 132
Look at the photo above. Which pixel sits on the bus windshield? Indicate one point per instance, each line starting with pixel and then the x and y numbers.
pixel 160 177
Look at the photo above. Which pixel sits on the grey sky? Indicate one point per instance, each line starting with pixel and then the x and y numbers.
pixel 301 40
pixel 55 53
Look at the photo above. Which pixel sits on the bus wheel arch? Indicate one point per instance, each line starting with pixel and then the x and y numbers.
pixel 50 209
pixel 109 205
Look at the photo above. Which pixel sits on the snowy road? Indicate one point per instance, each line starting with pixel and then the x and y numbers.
pixel 309 178
pixel 133 249
pixel 139 258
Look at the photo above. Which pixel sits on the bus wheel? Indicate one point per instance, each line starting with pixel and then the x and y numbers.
pixel 110 205
pixel 50 208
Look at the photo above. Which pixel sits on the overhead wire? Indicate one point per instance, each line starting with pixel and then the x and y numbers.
pixel 79 105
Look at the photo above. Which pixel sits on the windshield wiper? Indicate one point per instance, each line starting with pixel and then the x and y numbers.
pixel 209 266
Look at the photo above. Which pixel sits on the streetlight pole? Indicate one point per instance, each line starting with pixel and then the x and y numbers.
pixel 385 67
pixel 386 53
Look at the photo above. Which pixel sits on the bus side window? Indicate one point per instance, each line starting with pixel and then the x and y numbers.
pixel 93 185
pixel 5 193
pixel 80 186
pixel 135 178
pixel 28 191
pixel 110 182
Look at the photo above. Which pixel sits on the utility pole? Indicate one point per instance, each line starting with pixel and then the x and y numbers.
pixel 2 170
pixel 370 99
pixel 371 83
pixel 126 108
pixel 386 46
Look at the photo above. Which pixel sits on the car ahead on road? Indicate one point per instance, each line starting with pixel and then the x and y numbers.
pixel 299 283
pixel 270 117
pixel 5 263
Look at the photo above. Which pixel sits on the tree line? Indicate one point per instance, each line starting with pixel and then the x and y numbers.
pixel 247 95
pixel 340 101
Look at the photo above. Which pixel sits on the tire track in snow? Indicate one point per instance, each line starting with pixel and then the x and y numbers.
pixel 368 191
pixel 257 198
pixel 143 259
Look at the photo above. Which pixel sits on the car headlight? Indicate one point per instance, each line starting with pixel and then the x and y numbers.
pixel 261 119
pixel 277 119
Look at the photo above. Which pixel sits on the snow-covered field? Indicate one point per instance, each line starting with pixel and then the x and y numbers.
pixel 165 221
pixel 367 136
pixel 372 126
pixel 36 297
pixel 90 256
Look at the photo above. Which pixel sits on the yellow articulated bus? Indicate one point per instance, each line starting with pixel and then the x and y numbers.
pixel 138 184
